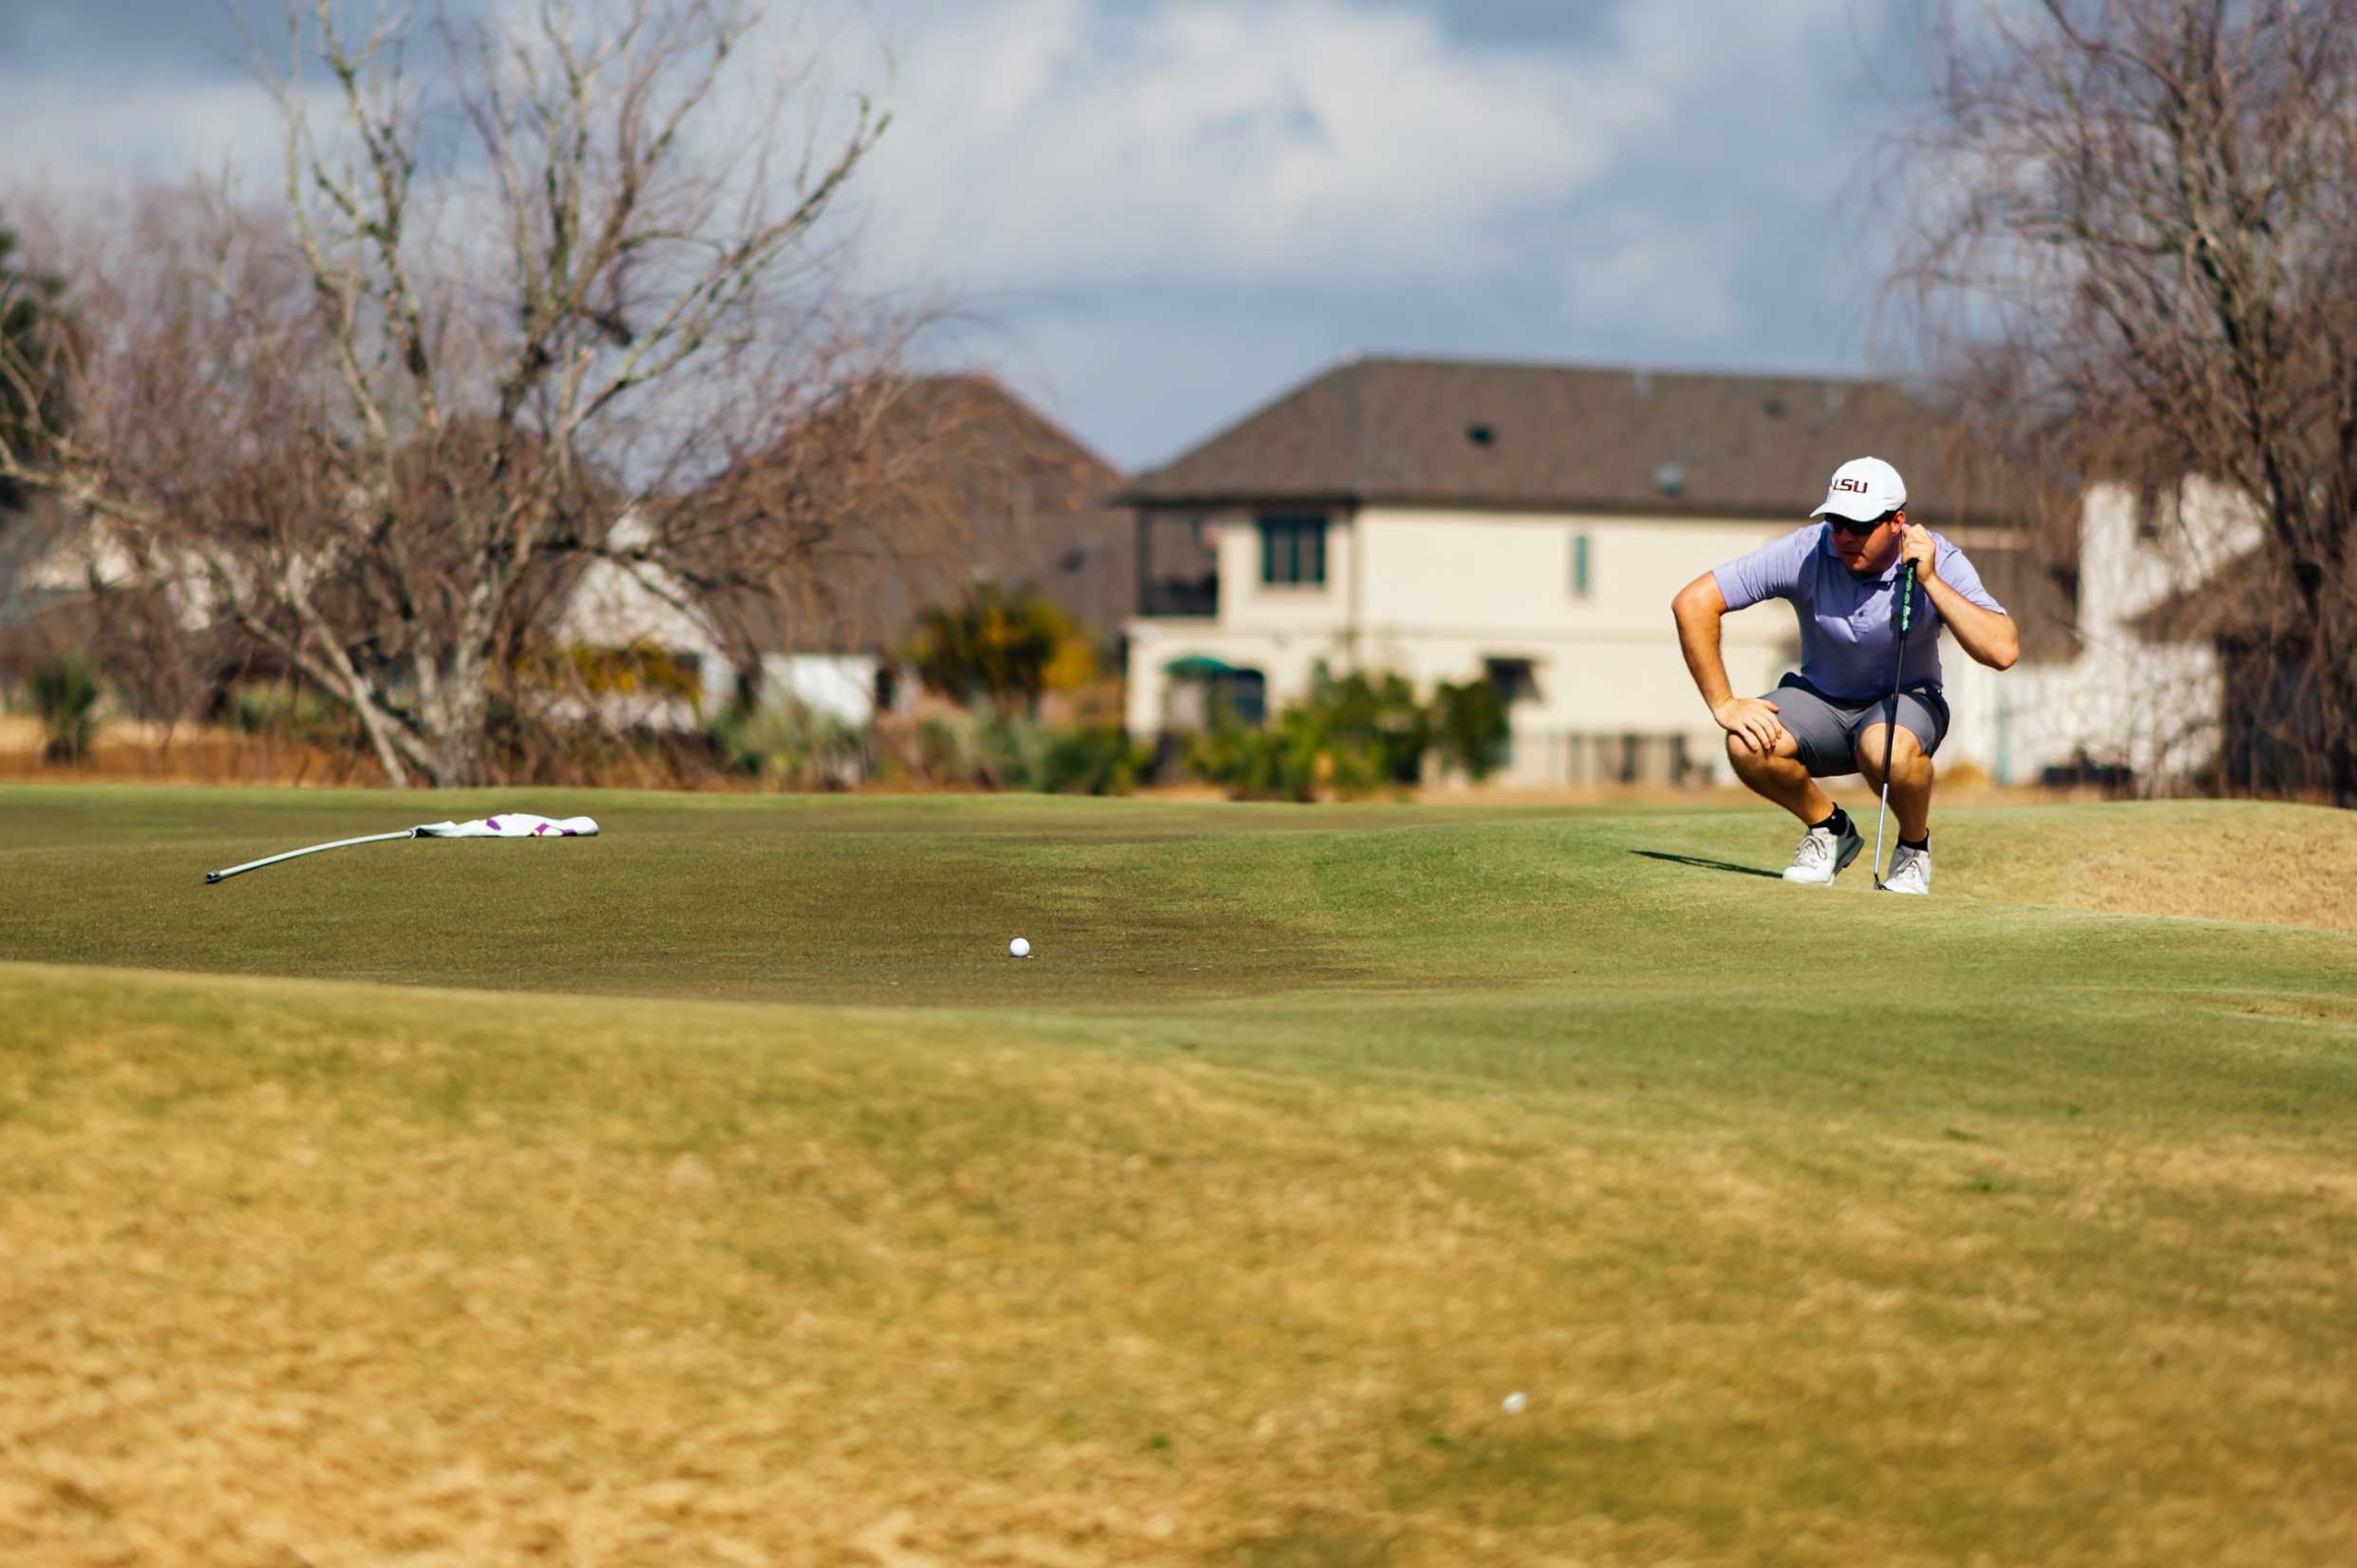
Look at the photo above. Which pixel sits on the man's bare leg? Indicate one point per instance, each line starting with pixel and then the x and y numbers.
pixel 1781 776
pixel 1910 775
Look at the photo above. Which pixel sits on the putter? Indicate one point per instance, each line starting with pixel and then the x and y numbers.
pixel 1890 735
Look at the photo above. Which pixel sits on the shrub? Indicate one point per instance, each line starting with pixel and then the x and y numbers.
pixel 1078 759
pixel 1374 730
pixel 991 647
pixel 294 711
pixel 1470 727
pixel 1012 751
pixel 790 743
pixel 65 693
pixel 1354 735
pixel 639 668
pixel 1275 763
pixel 943 754
pixel 1093 759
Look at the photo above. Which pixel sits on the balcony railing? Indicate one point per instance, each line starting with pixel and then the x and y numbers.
pixel 1193 596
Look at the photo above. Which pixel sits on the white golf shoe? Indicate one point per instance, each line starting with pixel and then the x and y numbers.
pixel 1911 871
pixel 1823 854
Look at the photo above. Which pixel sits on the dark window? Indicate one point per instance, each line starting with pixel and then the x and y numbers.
pixel 2159 501
pixel 1292 549
pixel 1580 564
pixel 1515 680
pixel 1245 694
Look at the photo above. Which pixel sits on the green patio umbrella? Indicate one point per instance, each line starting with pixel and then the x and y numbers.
pixel 1199 667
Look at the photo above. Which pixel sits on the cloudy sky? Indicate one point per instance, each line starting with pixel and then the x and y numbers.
pixel 1159 214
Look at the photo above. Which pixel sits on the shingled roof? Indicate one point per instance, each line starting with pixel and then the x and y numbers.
pixel 973 482
pixel 1561 438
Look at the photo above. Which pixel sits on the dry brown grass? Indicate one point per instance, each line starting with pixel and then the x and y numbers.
pixel 125 752
pixel 341 1276
pixel 2223 860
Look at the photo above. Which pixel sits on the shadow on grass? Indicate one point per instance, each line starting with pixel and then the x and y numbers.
pixel 1700 863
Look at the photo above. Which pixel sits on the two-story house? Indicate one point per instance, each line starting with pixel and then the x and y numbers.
pixel 1450 519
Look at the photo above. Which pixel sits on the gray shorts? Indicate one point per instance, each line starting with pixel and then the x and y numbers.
pixel 1828 729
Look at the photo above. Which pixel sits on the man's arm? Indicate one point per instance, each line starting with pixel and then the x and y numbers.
pixel 1699 608
pixel 1989 636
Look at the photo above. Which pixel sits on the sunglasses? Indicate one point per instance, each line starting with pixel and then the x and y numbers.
pixel 1849 525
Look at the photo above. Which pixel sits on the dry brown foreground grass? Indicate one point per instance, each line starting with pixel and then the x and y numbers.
pixel 332 1276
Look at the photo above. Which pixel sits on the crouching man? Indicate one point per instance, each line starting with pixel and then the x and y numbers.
pixel 1841 575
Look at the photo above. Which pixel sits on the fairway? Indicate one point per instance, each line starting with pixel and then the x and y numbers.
pixel 719 1191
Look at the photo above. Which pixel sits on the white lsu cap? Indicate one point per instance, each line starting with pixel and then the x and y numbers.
pixel 1862 490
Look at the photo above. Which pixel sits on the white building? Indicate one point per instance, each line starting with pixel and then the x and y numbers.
pixel 2115 691
pixel 1449 520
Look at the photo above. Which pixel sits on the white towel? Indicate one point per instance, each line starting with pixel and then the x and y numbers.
pixel 511 825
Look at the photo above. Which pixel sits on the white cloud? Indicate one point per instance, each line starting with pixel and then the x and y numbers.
pixel 1671 279
pixel 77 123
pixel 83 123
pixel 1055 143
pixel 1175 206
pixel 1775 105
pixel 1140 376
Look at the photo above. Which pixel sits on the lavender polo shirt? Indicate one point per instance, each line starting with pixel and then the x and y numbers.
pixel 1847 622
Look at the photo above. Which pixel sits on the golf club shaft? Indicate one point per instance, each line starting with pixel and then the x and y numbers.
pixel 212 877
pixel 1890 734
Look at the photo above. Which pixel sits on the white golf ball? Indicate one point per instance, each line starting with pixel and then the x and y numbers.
pixel 1514 1403
pixel 1020 947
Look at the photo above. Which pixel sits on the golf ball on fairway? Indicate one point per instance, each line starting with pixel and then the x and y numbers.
pixel 1513 1403
pixel 1020 948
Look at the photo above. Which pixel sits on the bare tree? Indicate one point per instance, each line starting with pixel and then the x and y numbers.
pixel 2143 216
pixel 500 307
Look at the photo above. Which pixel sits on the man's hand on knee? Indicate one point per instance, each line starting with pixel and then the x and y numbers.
pixel 1751 723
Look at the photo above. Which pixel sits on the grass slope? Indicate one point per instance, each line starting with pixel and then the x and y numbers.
pixel 1819 1228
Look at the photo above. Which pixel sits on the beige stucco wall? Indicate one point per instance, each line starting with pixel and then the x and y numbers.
pixel 1246 604
pixel 1434 594
pixel 1509 571
pixel 1447 591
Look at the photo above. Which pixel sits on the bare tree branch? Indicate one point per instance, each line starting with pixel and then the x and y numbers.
pixel 375 426
pixel 2145 207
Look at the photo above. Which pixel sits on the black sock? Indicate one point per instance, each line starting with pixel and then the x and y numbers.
pixel 1921 846
pixel 1838 824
